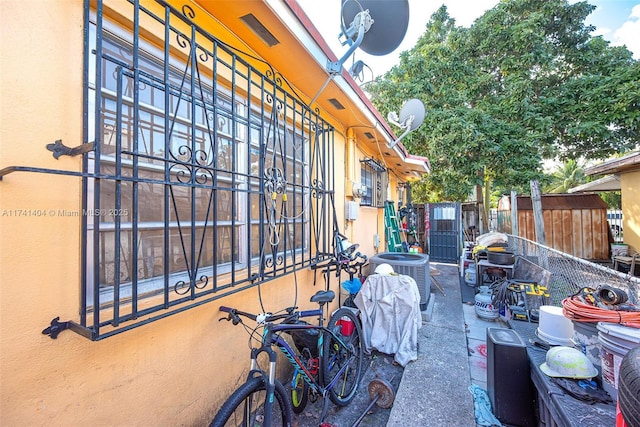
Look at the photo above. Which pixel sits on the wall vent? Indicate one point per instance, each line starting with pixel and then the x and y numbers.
pixel 260 30
pixel 336 104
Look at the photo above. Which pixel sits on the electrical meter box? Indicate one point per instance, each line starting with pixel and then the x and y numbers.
pixel 351 211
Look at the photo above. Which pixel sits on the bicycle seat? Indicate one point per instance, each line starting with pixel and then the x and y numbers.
pixel 322 297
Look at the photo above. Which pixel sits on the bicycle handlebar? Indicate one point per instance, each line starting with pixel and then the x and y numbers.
pixel 362 256
pixel 234 315
pixel 351 264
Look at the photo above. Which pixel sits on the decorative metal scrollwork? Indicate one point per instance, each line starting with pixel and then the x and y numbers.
pixel 203 55
pixel 59 149
pixel 274 180
pixel 273 261
pixel 182 288
pixel 188 12
pixel 274 76
pixel 196 167
pixel 55 328
pixel 182 40
pixel 317 189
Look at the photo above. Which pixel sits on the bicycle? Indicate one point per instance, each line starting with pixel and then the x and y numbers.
pixel 329 360
pixel 352 263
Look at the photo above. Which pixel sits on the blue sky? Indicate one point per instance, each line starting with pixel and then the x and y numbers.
pixel 617 21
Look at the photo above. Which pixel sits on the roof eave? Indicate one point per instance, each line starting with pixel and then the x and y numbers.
pixel 323 54
pixel 630 161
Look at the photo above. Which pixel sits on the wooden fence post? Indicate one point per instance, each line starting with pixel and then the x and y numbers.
pixel 538 219
pixel 514 213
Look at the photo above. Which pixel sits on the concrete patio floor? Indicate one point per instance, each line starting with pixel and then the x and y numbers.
pixel 434 390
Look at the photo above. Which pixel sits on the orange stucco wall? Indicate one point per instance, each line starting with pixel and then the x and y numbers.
pixel 175 371
pixel 630 188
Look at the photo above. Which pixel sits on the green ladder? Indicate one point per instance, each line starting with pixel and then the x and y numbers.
pixel 391 228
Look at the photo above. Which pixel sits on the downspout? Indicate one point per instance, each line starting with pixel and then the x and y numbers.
pixel 350 170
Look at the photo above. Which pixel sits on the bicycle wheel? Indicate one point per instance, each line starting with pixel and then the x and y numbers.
pixel 299 393
pixel 342 363
pixel 245 407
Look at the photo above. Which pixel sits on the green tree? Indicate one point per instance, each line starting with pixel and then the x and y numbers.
pixel 567 175
pixel 613 199
pixel 525 82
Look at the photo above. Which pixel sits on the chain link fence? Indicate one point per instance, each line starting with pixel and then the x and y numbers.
pixel 570 274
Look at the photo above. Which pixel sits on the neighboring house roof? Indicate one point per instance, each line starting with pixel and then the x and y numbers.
pixel 613 167
pixel 630 162
pixel 606 183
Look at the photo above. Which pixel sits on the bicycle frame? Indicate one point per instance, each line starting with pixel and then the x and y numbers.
pixel 271 337
pixel 291 354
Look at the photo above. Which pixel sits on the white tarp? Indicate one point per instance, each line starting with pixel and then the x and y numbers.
pixel 390 313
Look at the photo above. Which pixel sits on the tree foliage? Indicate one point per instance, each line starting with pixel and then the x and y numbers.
pixel 567 175
pixel 525 82
pixel 613 199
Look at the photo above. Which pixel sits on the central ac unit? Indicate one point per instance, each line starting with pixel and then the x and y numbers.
pixel 413 265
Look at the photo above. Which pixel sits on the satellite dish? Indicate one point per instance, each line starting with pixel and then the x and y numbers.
pixel 390 22
pixel 376 26
pixel 412 108
pixel 411 117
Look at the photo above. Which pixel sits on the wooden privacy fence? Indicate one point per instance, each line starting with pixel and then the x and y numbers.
pixel 575 224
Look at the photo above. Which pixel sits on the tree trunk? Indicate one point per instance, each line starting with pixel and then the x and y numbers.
pixel 486 203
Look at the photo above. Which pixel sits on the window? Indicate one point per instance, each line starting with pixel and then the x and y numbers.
pixel 207 176
pixel 374 178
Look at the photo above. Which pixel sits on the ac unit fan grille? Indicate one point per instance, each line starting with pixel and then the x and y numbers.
pixel 412 265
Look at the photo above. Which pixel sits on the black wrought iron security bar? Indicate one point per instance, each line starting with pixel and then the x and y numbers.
pixel 374 177
pixel 203 173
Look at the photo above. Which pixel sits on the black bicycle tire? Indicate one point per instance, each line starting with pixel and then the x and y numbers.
pixel 629 388
pixel 253 385
pixel 304 396
pixel 336 398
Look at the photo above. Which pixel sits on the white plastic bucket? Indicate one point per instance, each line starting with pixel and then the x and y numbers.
pixel 464 264
pixel 554 327
pixel 616 341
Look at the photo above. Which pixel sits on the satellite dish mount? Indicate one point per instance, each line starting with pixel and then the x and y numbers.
pixel 359 26
pixel 411 117
pixel 391 22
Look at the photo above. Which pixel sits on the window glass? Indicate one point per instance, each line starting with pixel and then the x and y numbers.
pixel 374 179
pixel 202 217
pixel 208 175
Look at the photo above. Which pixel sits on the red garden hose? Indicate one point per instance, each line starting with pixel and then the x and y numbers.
pixel 579 311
